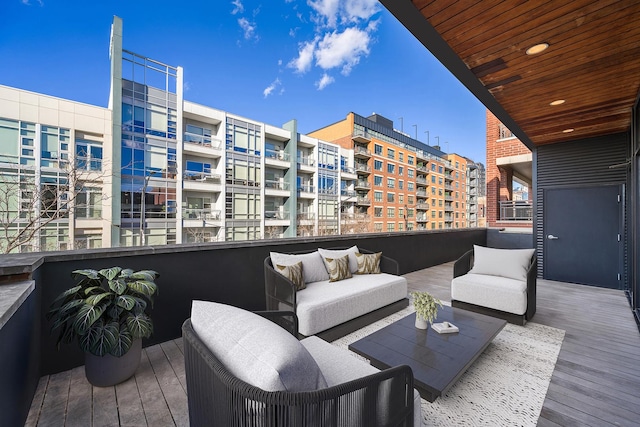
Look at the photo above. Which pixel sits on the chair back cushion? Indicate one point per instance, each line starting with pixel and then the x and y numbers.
pixel 254 349
pixel 313 268
pixel 510 263
pixel 339 253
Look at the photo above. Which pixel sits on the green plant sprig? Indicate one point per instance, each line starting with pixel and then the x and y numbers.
pixel 426 305
pixel 106 310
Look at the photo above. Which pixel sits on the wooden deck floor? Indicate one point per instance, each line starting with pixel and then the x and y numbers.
pixel 596 381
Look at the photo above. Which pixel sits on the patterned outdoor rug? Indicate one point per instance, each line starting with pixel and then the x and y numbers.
pixel 505 386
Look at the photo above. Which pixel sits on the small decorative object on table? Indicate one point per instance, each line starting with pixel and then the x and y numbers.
pixel 444 328
pixel 106 314
pixel 426 306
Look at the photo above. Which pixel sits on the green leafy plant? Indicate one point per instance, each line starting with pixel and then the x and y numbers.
pixel 426 305
pixel 105 311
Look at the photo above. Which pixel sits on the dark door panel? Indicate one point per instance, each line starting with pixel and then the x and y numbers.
pixel 582 231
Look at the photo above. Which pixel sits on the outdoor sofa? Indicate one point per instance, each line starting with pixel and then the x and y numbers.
pixel 497 282
pixel 332 309
pixel 245 370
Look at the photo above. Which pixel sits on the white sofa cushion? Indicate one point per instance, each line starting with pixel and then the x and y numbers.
pixel 323 305
pixel 313 267
pixel 510 263
pixel 339 253
pixel 254 349
pixel 339 366
pixel 498 293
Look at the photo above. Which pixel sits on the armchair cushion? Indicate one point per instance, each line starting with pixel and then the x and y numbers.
pixel 292 272
pixel 313 267
pixel 338 253
pixel 509 263
pixel 255 349
pixel 338 268
pixel 495 292
pixel 368 263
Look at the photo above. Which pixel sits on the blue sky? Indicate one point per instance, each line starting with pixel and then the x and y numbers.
pixel 268 60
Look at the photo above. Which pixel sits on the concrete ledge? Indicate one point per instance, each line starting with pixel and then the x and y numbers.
pixel 11 298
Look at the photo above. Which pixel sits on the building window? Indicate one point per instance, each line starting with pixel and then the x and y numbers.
pixel 433 179
pixel 410 173
pixel 433 214
pixel 400 198
pixel 377 226
pixel 198 135
pixel 433 191
pixel 410 200
pixel 400 170
pixel 433 167
pixel 440 181
pixel 391 213
pixel 88 155
pixel 401 157
pixel 440 169
pixel 391 183
pixel 400 228
pixel 244 137
pixel 410 160
pixel 401 184
pixel 391 153
pixel 377 196
pixel 390 226
pixel 377 212
pixel 410 186
pixel 377 165
pixel 377 180
pixel 88 203
pixel 391 168
pixel 391 197
pixel 377 149
pixel 409 212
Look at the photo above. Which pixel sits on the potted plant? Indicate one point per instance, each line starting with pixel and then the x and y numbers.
pixel 426 306
pixel 105 312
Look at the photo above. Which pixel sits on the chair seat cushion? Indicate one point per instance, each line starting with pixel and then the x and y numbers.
pixel 498 293
pixel 255 349
pixel 323 305
pixel 340 366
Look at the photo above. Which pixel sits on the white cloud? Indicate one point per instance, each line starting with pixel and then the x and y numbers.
pixel 327 10
pixel 360 9
pixel 342 49
pixel 249 28
pixel 28 2
pixel 302 63
pixel 273 86
pixel 186 86
pixel 239 7
pixel 324 81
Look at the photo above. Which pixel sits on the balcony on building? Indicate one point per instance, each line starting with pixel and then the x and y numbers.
pixel 363 185
pixel 421 170
pixel 363 201
pixel 277 217
pixel 516 210
pixel 448 207
pixel 306 191
pixel 421 193
pixel 361 137
pixel 202 181
pixel 422 206
pixel 202 145
pixel 348 173
pixel 360 152
pixel 363 169
pixel 421 218
pixel 201 217
pixel 277 187
pixel 421 180
pixel 278 159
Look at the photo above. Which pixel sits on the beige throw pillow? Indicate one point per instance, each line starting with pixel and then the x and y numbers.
pixel 368 263
pixel 293 273
pixel 338 268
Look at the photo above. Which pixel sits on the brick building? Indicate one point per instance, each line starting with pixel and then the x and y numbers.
pixel 508 161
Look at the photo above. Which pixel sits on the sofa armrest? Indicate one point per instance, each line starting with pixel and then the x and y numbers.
pixel 532 274
pixel 285 319
pixel 280 291
pixel 463 264
pixel 217 397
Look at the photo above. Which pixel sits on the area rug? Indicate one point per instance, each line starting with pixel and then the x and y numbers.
pixel 506 385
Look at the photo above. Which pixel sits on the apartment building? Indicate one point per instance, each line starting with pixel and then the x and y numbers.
pixel 402 183
pixel 153 168
pixel 509 162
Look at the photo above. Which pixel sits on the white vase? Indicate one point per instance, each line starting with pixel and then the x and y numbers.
pixel 421 323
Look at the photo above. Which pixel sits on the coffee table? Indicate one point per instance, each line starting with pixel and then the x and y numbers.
pixel 437 360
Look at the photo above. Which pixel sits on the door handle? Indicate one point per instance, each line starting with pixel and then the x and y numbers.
pixel 552 237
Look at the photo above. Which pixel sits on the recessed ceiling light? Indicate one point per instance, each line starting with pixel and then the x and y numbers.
pixel 535 49
pixel 557 102
pixel 568 130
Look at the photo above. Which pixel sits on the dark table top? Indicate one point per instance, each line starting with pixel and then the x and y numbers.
pixel 437 360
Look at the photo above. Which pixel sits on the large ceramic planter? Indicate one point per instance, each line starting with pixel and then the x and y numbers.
pixel 108 370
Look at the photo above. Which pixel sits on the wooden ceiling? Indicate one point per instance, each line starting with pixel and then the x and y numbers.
pixel 593 60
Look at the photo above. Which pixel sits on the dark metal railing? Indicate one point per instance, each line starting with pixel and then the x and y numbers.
pixel 516 210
